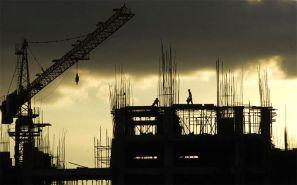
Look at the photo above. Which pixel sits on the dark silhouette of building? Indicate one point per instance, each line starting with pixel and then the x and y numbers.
pixel 198 144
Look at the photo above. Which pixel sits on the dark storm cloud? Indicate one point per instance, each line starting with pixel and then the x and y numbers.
pixel 236 31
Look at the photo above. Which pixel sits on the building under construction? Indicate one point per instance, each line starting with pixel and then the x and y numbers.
pixel 198 144
pixel 173 143
pixel 164 143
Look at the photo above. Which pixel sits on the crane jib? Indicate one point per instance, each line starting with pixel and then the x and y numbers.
pixel 80 51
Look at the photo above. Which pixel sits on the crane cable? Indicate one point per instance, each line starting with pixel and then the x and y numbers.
pixel 10 84
pixel 35 59
pixel 56 41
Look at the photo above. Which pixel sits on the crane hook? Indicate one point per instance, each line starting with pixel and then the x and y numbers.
pixel 77 76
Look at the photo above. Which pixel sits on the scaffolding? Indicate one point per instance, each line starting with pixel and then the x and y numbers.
pixel 197 120
pixel 102 151
pixel 59 160
pixel 203 119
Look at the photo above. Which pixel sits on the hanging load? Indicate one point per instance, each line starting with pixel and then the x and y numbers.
pixel 76 78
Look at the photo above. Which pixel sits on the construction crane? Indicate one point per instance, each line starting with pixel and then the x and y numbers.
pixel 18 103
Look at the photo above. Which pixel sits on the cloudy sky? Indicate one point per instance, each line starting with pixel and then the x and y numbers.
pixel 242 33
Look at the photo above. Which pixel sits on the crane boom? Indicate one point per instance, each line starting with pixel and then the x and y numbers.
pixel 80 52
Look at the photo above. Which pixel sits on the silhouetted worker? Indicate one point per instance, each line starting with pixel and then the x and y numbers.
pixel 189 99
pixel 156 102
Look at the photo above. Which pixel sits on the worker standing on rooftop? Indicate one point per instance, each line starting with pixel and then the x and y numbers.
pixel 189 99
pixel 156 102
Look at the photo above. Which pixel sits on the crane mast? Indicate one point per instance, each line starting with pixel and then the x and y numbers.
pixel 18 103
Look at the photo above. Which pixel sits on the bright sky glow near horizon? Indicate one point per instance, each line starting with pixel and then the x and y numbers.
pixel 241 39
